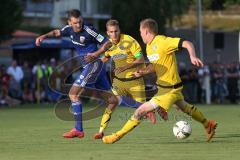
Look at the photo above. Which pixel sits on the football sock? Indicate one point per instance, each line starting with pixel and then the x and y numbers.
pixel 77 111
pixel 105 119
pixel 129 102
pixel 130 125
pixel 196 114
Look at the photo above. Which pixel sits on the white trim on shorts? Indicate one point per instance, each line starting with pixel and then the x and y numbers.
pixel 88 76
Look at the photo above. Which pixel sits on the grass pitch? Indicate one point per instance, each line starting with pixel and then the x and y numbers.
pixel 34 132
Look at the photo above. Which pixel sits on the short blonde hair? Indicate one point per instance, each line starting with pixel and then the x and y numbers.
pixel 112 22
pixel 150 24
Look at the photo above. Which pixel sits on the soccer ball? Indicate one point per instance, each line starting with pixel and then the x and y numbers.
pixel 182 129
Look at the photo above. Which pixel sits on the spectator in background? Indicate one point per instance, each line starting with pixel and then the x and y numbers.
pixel 185 79
pixel 4 83
pixel 37 78
pixel 27 83
pixel 204 82
pixel 4 87
pixel 220 90
pixel 233 77
pixel 27 75
pixel 15 71
pixel 41 73
pixel 27 94
pixel 51 96
pixel 193 84
pixel 53 63
pixel 16 74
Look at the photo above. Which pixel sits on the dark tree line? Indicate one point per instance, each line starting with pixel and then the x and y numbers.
pixel 11 17
pixel 131 12
pixel 128 12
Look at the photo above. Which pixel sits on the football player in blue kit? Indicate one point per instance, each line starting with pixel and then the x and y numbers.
pixel 85 39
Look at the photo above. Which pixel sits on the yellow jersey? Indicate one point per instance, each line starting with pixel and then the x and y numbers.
pixel 161 54
pixel 124 52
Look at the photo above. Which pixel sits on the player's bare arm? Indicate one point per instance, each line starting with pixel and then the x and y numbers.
pixel 92 56
pixel 143 71
pixel 191 51
pixel 136 62
pixel 54 33
pixel 104 59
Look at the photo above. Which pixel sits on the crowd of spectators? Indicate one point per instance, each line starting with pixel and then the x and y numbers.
pixel 223 81
pixel 28 83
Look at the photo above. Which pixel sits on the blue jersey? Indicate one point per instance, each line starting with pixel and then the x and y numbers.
pixel 93 74
pixel 86 41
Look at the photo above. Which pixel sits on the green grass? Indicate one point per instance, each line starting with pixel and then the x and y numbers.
pixel 34 132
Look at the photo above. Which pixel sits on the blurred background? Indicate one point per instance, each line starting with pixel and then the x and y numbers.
pixel 212 25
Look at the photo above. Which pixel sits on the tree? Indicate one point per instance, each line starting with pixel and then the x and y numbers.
pixel 217 5
pixel 131 12
pixel 11 17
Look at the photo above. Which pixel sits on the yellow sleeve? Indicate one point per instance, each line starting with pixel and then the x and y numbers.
pixel 135 49
pixel 171 44
pixel 106 54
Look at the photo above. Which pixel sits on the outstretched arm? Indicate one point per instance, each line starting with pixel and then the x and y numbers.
pixel 143 71
pixel 191 51
pixel 53 33
pixel 104 59
pixel 92 56
pixel 135 63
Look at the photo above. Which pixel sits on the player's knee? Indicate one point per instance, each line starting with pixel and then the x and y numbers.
pixel 73 97
pixel 113 100
pixel 140 112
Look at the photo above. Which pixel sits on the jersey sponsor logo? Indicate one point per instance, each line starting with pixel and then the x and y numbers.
pixel 121 47
pixel 82 39
pixel 81 77
pixel 126 44
pixel 100 38
pixel 154 47
pixel 153 57
pixel 119 56
pixel 74 42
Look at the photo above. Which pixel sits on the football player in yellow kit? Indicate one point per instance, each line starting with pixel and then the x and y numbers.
pixel 127 56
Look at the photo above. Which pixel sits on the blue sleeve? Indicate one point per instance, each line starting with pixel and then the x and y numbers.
pixel 65 31
pixel 99 38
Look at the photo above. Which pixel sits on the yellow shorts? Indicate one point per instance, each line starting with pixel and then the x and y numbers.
pixel 134 89
pixel 165 98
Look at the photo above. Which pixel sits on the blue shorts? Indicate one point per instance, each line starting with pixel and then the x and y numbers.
pixel 93 75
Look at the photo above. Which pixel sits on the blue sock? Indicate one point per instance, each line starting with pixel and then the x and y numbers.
pixel 77 111
pixel 129 102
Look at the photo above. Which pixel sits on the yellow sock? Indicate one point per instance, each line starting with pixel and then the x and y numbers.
pixel 105 119
pixel 130 125
pixel 196 114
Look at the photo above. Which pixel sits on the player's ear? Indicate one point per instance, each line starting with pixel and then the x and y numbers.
pixel 119 30
pixel 147 31
pixel 69 22
pixel 108 33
